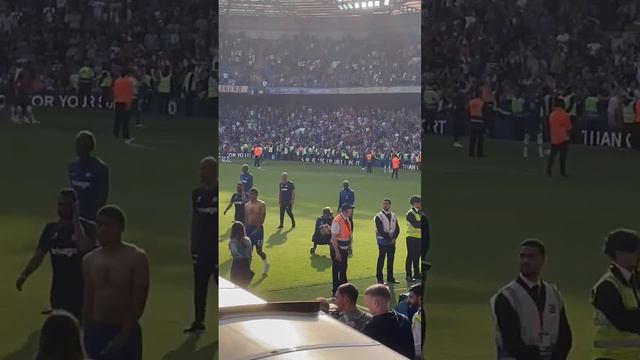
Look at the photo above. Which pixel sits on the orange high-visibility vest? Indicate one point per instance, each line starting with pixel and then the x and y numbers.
pixel 345 229
pixel 369 157
pixel 475 108
pixel 637 108
pixel 123 91
pixel 559 126
pixel 419 158
pixel 257 151
pixel 395 163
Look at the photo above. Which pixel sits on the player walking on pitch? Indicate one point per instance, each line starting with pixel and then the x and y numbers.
pixel 255 213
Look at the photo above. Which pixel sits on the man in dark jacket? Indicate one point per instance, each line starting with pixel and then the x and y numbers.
pixel 347 196
pixel 390 328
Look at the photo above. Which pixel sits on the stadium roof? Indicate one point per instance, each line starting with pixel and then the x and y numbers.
pixel 308 8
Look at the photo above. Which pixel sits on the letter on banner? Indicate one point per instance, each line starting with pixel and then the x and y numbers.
pixel 37 100
pixel 73 101
pixel 173 107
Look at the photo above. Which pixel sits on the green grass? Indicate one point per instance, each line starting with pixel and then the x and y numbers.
pixel 152 183
pixel 480 209
pixel 294 273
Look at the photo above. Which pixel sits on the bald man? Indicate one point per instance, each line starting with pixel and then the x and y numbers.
pixel 287 197
pixel 204 244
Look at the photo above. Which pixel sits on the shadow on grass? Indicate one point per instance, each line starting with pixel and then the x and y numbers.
pixel 225 236
pixel 257 283
pixel 28 350
pixel 225 267
pixel 188 350
pixel 277 238
pixel 320 262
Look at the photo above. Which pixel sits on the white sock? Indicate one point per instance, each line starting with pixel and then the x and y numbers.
pixel 540 153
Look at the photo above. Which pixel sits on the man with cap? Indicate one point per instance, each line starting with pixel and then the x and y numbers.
pixel 322 233
pixel 616 300
pixel 387 231
pixel 340 245
pixel 529 314
pixel 347 196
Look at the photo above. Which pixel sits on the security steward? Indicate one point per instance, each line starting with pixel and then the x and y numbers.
pixel 370 162
pixel 341 241
pixel 477 126
pixel 414 242
pixel 529 314
pixel 616 300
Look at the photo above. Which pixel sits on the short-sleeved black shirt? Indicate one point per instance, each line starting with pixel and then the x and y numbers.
pixel 66 258
pixel 286 191
pixel 205 216
pixel 238 202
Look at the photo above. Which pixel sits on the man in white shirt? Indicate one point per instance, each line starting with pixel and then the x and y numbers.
pixel 387 231
pixel 529 314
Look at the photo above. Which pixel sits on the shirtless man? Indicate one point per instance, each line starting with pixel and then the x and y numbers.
pixel 255 211
pixel 116 284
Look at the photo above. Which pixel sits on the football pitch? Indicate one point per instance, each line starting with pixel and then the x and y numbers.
pixel 295 274
pixel 481 209
pixel 152 182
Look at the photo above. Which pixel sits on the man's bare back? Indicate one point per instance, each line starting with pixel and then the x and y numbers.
pixel 255 212
pixel 114 279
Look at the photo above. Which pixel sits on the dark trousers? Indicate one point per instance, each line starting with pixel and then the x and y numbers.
pixel 203 269
pixel 458 126
pixel 394 173
pixel 213 107
pixel 288 208
pixel 67 298
pixel 106 96
pixel 164 102
pixel 430 120
pixel 476 139
pixel 563 150
pixel 135 111
pixel 413 257
pixel 256 161
pixel 339 268
pixel 370 166
pixel 635 136
pixel 389 251
pixel 84 91
pixel 121 121
pixel 189 102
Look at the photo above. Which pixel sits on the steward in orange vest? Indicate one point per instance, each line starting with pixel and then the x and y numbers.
pixel 341 242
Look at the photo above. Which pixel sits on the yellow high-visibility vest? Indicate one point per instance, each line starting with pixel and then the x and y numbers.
pixel 609 342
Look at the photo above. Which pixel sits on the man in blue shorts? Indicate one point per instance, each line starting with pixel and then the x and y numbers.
pixel 255 212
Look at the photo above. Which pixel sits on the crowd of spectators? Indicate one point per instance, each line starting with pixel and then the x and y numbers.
pixel 55 38
pixel 304 60
pixel 338 128
pixel 588 48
